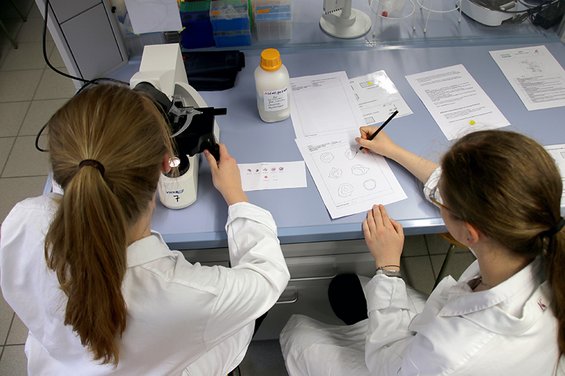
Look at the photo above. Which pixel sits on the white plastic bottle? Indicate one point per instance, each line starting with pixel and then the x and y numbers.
pixel 273 87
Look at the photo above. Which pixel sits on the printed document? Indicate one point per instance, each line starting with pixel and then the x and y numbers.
pixel 267 175
pixel 149 16
pixel 558 153
pixel 378 97
pixel 323 104
pixel 348 180
pixel 456 101
pixel 535 75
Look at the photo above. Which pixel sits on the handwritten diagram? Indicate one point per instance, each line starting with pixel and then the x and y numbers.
pixel 348 180
pixel 352 176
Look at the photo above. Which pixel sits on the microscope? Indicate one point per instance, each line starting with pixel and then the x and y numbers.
pixel 162 76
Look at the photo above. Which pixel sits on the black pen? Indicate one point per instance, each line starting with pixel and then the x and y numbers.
pixel 381 127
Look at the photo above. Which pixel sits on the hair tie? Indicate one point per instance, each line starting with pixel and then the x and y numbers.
pixel 93 163
pixel 555 229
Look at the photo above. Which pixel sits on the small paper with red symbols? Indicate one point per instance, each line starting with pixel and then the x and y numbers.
pixel 272 175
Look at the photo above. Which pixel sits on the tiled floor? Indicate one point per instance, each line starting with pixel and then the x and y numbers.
pixel 29 94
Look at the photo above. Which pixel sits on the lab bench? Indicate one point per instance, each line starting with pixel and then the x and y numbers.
pixel 315 246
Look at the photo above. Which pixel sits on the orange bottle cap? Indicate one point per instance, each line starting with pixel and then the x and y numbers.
pixel 270 59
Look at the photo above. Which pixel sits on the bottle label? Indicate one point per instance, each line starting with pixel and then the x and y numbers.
pixel 275 100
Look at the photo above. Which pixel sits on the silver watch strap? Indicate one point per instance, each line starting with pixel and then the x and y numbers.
pixel 390 273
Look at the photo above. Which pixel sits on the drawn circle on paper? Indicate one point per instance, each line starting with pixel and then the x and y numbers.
pixel 327 157
pixel 370 184
pixel 345 190
pixel 350 154
pixel 359 170
pixel 335 173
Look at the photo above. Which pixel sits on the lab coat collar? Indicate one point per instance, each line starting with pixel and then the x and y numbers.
pixel 147 249
pixel 462 301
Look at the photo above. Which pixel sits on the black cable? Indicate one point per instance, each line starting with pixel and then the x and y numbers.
pixel 37 139
pixel 86 82
pixel 529 11
pixel 45 49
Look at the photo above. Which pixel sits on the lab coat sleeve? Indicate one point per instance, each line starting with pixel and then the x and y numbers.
pixel 432 182
pixel 258 275
pixel 389 315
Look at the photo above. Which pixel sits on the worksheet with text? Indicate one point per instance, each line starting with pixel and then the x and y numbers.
pixel 348 180
pixel 456 101
pixel 536 76
pixel 323 104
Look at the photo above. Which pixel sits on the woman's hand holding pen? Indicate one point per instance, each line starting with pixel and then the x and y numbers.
pixel 225 176
pixel 381 144
pixel 384 237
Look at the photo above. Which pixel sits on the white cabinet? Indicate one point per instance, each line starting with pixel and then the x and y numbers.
pixel 311 266
pixel 86 35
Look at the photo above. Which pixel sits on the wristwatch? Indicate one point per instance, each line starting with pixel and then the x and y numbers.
pixel 389 273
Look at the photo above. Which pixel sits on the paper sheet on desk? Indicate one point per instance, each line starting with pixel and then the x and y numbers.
pixel 456 101
pixel 348 181
pixel 259 176
pixel 378 97
pixel 149 16
pixel 323 104
pixel 535 75
pixel 558 153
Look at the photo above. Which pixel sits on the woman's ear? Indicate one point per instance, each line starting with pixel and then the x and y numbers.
pixel 166 163
pixel 472 234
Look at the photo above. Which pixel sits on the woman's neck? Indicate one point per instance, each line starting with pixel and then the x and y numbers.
pixel 142 227
pixel 497 264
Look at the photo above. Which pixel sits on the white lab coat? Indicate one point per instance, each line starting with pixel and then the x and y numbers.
pixel 182 318
pixel 507 330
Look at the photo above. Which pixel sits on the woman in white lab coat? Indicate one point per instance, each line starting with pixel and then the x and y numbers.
pixel 98 290
pixel 499 194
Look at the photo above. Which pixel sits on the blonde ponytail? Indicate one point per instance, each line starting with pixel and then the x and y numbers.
pixel 106 147
pixel 89 235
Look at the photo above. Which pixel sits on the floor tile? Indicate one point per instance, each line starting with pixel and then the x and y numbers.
pixel 13 361
pixel 438 245
pixel 5 148
pixel 418 273
pixel 38 114
pixel 6 315
pixel 25 160
pixel 4 49
pixel 14 190
pixel 32 31
pixel 263 358
pixel 13 26
pixel 457 264
pixel 54 86
pixel 415 245
pixel 11 117
pixel 55 58
pixel 34 11
pixel 18 332
pixel 19 86
pixel 28 56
